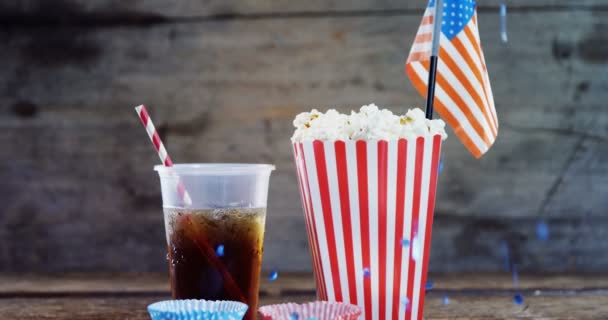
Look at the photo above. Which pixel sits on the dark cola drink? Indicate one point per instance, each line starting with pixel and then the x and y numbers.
pixel 216 254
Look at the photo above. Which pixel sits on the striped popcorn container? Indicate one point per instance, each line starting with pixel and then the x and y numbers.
pixel 369 214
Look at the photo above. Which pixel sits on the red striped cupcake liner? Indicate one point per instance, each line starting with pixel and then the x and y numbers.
pixel 369 214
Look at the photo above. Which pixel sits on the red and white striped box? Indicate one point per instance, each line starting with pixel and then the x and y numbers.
pixel 369 214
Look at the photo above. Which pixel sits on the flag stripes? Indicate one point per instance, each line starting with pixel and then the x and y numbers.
pixel 463 96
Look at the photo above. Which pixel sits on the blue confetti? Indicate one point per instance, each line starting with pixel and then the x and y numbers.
pixel 515 277
pixel 405 301
pixel 503 22
pixel 273 275
pixel 416 249
pixel 428 285
pixel 366 272
pixel 504 250
pixel 405 242
pixel 518 299
pixel 542 231
pixel 220 250
pixel 294 316
pixel 440 168
pixel 446 300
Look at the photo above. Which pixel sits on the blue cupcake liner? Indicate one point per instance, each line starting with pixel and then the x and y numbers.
pixel 197 310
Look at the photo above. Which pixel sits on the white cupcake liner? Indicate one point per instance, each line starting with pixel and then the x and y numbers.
pixel 197 310
pixel 318 310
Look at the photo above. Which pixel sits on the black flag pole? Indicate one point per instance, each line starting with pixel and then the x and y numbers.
pixel 430 94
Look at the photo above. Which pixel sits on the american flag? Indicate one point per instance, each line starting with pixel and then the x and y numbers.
pixel 463 96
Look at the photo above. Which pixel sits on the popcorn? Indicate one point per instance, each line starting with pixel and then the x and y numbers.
pixel 370 123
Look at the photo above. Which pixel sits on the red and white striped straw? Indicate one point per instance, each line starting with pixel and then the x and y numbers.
pixel 201 243
pixel 160 149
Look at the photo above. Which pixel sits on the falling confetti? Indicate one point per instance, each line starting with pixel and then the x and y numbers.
pixel 446 300
pixel 440 168
pixel 537 293
pixel 294 316
pixel 504 250
pixel 273 275
pixel 405 242
pixel 405 301
pixel 366 272
pixel 518 299
pixel 503 22
pixel 542 231
pixel 416 249
pixel 515 278
pixel 428 285
pixel 220 250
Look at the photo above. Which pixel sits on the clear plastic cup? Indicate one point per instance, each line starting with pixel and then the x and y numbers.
pixel 214 221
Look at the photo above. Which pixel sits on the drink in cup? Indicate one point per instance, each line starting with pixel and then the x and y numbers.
pixel 235 233
pixel 215 241
pixel 367 183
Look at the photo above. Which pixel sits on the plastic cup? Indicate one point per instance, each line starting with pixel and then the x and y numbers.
pixel 215 243
pixel 369 214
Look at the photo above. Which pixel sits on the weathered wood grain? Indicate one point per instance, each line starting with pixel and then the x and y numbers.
pixel 75 171
pixel 287 283
pixel 156 11
pixel 461 307
pixel 471 296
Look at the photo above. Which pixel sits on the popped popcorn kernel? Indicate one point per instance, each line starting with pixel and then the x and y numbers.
pixel 369 123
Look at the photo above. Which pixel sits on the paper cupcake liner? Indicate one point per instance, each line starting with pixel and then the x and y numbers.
pixel 197 310
pixel 318 310
pixel 368 208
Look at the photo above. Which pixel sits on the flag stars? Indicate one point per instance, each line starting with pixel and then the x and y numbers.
pixel 456 15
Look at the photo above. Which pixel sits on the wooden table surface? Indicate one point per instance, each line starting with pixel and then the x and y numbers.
pixel 125 296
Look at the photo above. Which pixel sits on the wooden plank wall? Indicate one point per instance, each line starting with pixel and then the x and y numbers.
pixel 224 79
